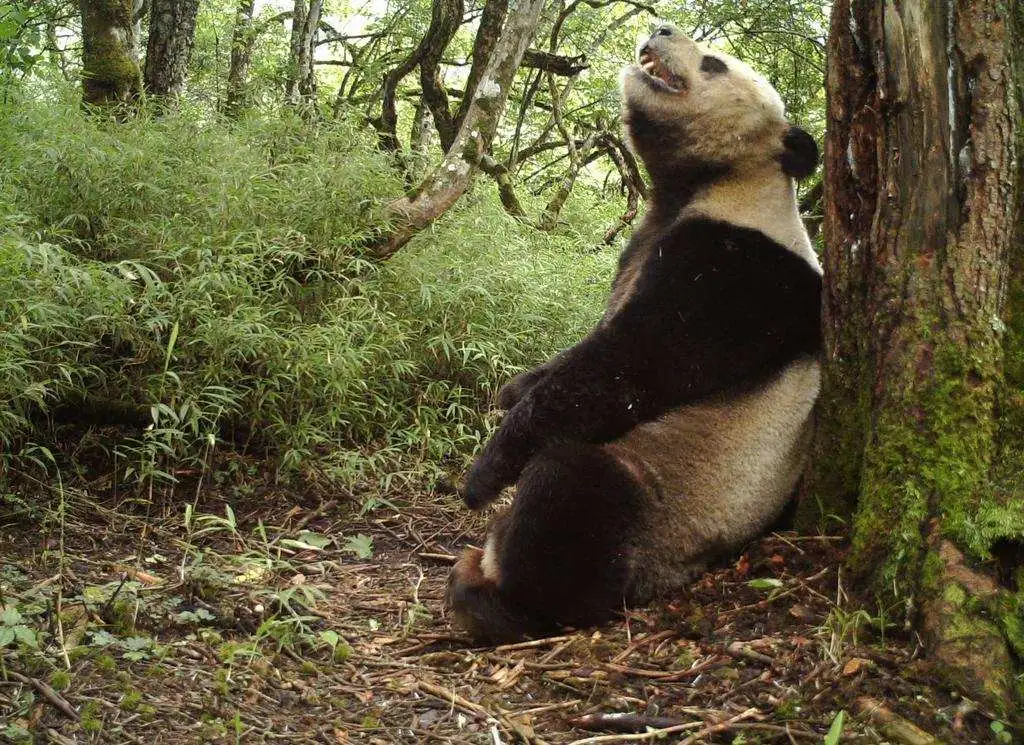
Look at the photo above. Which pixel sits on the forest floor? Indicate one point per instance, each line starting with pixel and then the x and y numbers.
pixel 297 619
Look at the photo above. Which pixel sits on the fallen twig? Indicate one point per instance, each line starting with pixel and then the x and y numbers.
pixel 739 649
pixel 644 642
pixel 533 644
pixel 640 736
pixel 721 726
pixel 893 725
pixel 668 676
pixel 58 738
pixel 330 504
pixel 444 558
pixel 625 721
pixel 49 694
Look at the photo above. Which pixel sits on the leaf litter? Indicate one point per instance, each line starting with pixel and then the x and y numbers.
pixel 302 620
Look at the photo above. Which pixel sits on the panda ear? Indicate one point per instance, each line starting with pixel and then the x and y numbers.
pixel 800 153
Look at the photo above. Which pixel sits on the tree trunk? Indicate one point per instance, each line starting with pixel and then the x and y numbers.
pixel 487 35
pixel 110 70
pixel 172 33
pixel 243 38
pixel 577 156
pixel 300 82
pixel 446 17
pixel 921 207
pixel 441 189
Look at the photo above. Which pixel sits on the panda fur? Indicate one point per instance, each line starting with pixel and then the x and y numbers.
pixel 677 429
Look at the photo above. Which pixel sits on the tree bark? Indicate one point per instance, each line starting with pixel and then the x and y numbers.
pixel 632 182
pixel 300 82
pixel 110 69
pixel 445 21
pixel 172 33
pixel 243 38
pixel 577 157
pixel 487 35
pixel 920 211
pixel 441 189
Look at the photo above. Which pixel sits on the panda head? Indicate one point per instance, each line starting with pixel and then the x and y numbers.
pixel 693 113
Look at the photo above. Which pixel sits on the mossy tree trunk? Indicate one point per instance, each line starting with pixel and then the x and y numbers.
pixel 921 222
pixel 110 67
pixel 172 33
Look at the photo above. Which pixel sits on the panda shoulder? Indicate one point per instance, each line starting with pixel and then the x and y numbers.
pixel 727 251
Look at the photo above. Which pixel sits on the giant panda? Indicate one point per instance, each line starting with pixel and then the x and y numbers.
pixel 677 429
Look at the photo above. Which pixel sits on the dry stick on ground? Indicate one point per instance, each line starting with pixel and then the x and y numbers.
pixel 721 726
pixel 499 717
pixel 667 676
pixel 639 737
pixel 49 694
pixel 891 724
pixel 630 722
pixel 534 643
pixel 623 722
pixel 443 558
pixel 643 642
pixel 780 596
pixel 739 649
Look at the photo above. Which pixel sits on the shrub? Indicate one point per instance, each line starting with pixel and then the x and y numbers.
pixel 207 281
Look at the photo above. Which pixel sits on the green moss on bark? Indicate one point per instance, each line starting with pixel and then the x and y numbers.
pixel 929 453
pixel 829 494
pixel 110 72
pixel 971 626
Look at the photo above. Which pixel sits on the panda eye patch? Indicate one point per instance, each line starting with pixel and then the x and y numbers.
pixel 712 64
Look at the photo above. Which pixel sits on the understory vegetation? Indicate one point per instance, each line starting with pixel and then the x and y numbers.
pixel 264 265
pixel 190 287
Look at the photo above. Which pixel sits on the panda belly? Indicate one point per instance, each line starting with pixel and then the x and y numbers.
pixel 717 475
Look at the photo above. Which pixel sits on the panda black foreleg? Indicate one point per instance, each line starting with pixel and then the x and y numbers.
pixel 562 555
pixel 514 390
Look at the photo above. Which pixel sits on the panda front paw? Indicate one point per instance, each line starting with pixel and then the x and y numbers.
pixel 481 487
pixel 491 472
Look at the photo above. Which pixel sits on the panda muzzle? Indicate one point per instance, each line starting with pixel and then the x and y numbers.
pixel 651 64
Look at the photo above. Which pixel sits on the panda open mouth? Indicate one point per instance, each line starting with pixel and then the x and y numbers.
pixel 658 74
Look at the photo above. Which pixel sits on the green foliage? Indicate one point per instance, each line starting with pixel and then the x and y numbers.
pixel 208 284
pixel 19 39
pixel 14 630
pixel 835 732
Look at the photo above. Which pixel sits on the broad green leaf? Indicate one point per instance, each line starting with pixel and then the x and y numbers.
pixel 836 730
pixel 360 545
pixel 25 635
pixel 765 583
pixel 315 539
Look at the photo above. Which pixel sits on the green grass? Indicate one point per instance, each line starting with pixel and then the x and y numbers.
pixel 207 281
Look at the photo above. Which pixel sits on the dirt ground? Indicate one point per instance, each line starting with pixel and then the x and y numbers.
pixel 300 619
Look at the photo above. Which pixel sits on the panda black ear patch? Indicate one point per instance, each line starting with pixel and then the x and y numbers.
pixel 712 65
pixel 800 153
